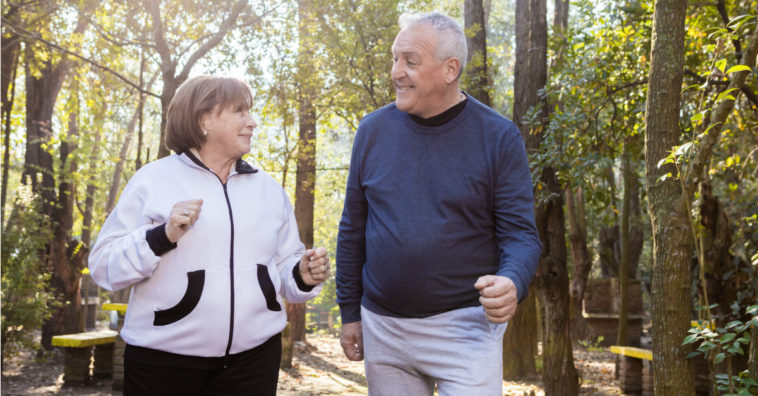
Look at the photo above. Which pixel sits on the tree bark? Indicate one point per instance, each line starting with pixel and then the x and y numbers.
pixel 113 191
pixel 672 246
pixel 561 14
pixel 581 258
pixel 621 338
pixel 476 41
pixel 520 341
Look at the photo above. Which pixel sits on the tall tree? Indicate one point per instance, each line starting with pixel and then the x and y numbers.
pixel 672 247
pixel 171 53
pixel 621 338
pixel 559 374
pixel 580 257
pixel 44 79
pixel 520 340
pixel 477 79
pixel 11 46
pixel 305 175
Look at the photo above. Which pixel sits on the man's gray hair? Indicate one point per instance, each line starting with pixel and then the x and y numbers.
pixel 451 40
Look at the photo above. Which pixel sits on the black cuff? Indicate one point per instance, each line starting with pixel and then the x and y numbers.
pixel 158 240
pixel 299 279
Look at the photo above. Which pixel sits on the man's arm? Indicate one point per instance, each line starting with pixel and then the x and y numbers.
pixel 351 256
pixel 516 233
pixel 515 229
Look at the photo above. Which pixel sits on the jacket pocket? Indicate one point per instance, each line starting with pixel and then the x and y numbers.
pixel 195 283
pixel 264 280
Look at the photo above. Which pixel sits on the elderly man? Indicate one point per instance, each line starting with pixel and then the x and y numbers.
pixel 437 241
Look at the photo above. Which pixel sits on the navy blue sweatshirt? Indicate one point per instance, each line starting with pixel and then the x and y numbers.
pixel 428 210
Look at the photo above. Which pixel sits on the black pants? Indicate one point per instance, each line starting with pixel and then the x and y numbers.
pixel 250 373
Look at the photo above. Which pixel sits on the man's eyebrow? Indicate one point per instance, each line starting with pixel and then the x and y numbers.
pixel 404 52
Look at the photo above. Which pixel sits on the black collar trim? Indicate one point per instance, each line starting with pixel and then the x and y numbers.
pixel 241 166
pixel 442 118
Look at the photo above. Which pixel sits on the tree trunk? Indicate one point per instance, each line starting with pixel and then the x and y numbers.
pixel 170 85
pixel 305 173
pixel 636 233
pixel 621 338
pixel 11 45
pixel 66 254
pixel 522 93
pixel 169 66
pixel 559 374
pixel 560 17
pixel 515 363
pixel 476 41
pixel 113 191
pixel 520 341
pixel 91 190
pixel 672 248
pixel 753 362
pixel 581 258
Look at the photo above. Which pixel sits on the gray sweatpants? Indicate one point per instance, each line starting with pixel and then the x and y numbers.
pixel 461 351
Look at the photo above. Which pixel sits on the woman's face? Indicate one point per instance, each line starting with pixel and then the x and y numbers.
pixel 229 131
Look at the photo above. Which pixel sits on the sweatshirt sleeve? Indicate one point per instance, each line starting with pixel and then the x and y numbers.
pixel 517 235
pixel 288 255
pixel 122 254
pixel 351 242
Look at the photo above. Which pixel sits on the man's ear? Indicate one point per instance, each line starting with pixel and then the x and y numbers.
pixel 452 69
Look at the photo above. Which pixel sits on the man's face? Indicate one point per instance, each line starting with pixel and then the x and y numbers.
pixel 418 76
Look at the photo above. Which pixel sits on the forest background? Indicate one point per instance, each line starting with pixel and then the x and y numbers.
pixel 640 119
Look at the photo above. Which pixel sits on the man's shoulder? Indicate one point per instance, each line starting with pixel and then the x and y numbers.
pixel 493 122
pixel 380 115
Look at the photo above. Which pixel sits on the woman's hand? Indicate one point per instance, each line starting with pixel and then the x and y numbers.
pixel 183 215
pixel 314 266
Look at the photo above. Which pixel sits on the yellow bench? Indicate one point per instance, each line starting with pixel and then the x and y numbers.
pixel 120 308
pixel 633 352
pixel 634 370
pixel 78 353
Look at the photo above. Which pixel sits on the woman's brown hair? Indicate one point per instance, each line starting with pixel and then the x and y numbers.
pixel 196 97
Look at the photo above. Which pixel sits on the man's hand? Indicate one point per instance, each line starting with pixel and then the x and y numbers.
pixel 314 266
pixel 352 340
pixel 499 297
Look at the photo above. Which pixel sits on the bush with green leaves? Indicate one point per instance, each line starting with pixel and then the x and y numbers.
pixel 721 344
pixel 26 297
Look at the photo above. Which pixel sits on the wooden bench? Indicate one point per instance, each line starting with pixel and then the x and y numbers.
pixel 78 354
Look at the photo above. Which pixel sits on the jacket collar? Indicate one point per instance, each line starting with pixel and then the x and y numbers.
pixel 240 166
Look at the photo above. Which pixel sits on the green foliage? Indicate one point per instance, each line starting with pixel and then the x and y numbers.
pixel 26 298
pixel 592 346
pixel 724 343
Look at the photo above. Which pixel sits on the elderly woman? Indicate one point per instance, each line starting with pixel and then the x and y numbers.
pixel 210 246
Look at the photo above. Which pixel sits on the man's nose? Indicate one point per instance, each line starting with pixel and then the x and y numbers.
pixel 398 70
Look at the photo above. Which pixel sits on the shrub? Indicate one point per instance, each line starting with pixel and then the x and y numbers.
pixel 25 294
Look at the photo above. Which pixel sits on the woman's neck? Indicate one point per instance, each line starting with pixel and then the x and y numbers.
pixel 219 165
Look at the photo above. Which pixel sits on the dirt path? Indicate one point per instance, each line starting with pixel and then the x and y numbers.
pixel 320 368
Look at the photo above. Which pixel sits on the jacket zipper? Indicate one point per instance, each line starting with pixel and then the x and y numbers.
pixel 231 276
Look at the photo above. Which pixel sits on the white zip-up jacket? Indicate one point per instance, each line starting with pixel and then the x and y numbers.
pixel 219 290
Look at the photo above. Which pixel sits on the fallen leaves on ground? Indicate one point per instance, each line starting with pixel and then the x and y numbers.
pixel 319 368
